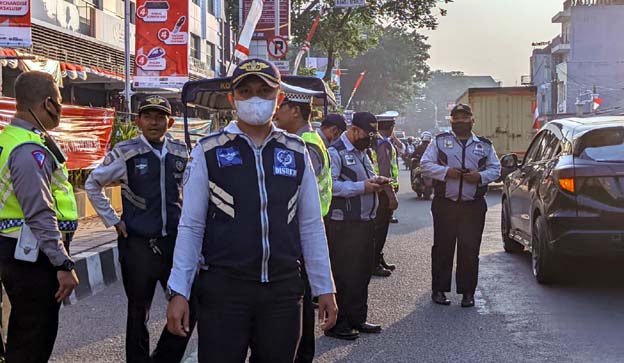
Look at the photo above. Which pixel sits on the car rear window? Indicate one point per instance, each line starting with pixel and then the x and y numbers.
pixel 606 144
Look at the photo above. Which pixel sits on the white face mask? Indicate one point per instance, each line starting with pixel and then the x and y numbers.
pixel 256 111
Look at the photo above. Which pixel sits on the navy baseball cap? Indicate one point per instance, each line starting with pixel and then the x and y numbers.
pixel 366 121
pixel 264 69
pixel 460 107
pixel 155 102
pixel 334 119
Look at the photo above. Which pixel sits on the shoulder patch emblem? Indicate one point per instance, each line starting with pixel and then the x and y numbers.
pixel 108 159
pixel 40 157
pixel 448 143
pixel 179 164
pixel 349 159
pixel 228 156
pixel 284 163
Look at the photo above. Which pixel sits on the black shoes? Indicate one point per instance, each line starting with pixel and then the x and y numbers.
pixel 342 332
pixel 384 264
pixel 381 272
pixel 394 220
pixel 468 301
pixel 439 297
pixel 368 328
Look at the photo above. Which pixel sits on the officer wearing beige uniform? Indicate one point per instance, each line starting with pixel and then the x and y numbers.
pixel 37 208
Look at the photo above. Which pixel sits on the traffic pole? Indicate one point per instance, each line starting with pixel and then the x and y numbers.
pixel 127 96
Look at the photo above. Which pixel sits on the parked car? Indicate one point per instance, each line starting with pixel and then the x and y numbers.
pixel 566 198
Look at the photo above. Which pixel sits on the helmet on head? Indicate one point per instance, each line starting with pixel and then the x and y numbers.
pixel 426 136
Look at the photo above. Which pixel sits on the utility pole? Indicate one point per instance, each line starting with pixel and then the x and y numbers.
pixel 127 95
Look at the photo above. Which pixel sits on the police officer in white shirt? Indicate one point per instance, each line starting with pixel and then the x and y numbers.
pixel 251 210
pixel 462 165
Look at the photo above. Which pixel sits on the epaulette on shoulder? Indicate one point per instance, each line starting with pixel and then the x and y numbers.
pixel 485 140
pixel 215 139
pixel 131 143
pixel 292 141
pixel 130 148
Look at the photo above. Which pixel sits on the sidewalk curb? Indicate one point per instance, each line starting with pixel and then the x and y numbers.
pixel 96 269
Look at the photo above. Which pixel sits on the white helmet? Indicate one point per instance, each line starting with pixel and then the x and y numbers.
pixel 426 136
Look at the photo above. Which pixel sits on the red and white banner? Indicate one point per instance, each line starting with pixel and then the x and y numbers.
pixel 161 44
pixel 306 45
pixel 15 24
pixel 355 88
pixel 84 132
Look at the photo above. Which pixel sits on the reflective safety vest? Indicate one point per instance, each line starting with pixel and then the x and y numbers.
pixel 394 171
pixel 11 214
pixel 324 179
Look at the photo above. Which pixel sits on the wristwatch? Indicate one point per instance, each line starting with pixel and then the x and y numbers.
pixel 67 265
pixel 170 294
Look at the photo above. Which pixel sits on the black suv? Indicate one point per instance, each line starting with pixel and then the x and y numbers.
pixel 567 196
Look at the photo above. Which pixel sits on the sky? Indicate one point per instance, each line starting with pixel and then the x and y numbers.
pixel 492 37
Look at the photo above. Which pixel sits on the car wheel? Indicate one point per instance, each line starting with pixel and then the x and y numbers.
pixel 509 244
pixel 545 263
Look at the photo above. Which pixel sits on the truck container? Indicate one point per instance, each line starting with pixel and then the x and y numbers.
pixel 504 115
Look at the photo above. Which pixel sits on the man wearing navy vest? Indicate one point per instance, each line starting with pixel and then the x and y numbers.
pixel 150 168
pixel 350 224
pixel 251 211
pixel 462 165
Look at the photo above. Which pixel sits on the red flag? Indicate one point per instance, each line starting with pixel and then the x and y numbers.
pixel 357 85
pixel 536 115
pixel 306 45
pixel 597 102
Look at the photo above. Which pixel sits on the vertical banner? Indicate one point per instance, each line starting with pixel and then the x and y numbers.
pixel 162 37
pixel 15 24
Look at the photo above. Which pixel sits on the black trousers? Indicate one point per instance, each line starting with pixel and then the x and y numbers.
pixel 33 322
pixel 235 315
pixel 352 255
pixel 141 270
pixel 461 224
pixel 382 224
pixel 307 344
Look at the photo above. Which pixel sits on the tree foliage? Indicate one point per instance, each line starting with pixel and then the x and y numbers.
pixel 350 32
pixel 395 69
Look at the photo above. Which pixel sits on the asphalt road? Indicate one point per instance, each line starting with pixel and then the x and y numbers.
pixel 515 320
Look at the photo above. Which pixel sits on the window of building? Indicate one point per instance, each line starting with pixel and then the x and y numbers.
pixel 210 6
pixel 196 2
pixel 195 46
pixel 210 55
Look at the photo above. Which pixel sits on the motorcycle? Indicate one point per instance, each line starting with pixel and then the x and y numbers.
pixel 422 185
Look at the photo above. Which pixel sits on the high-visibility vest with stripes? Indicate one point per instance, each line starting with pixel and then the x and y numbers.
pixel 11 214
pixel 324 179
pixel 394 171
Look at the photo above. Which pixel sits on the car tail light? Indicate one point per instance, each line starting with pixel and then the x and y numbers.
pixel 567 184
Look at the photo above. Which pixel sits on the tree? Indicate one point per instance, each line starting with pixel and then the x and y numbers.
pixel 395 69
pixel 350 32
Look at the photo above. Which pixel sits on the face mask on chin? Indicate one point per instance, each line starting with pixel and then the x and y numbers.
pixel 256 111
pixel 363 144
pixel 461 128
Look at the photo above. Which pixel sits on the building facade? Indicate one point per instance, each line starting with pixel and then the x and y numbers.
pixel 584 62
pixel 87 38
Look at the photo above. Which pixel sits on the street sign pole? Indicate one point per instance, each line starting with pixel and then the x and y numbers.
pixel 127 96
pixel 277 18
